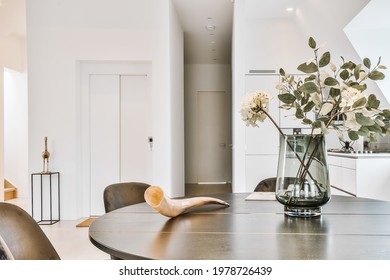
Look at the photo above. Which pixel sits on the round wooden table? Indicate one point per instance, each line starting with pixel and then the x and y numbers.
pixel 349 228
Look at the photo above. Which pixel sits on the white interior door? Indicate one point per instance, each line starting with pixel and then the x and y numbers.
pixel 120 127
pixel 213 137
pixel 136 151
pixel 104 137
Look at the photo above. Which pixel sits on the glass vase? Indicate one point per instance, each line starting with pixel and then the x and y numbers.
pixel 302 184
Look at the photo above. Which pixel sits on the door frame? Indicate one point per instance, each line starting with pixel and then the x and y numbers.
pixel 88 68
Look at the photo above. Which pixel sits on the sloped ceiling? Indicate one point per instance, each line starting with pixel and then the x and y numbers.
pixel 369 33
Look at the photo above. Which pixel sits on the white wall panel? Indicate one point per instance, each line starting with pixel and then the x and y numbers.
pixel 104 136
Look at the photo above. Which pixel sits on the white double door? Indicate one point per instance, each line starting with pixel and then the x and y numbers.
pixel 120 131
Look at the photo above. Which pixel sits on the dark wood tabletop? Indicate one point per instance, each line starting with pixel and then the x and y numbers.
pixel 349 228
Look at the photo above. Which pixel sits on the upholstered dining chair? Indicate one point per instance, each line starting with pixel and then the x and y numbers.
pixel 123 194
pixel 266 185
pixel 23 236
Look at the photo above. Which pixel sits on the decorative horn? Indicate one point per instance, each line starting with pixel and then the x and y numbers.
pixel 154 196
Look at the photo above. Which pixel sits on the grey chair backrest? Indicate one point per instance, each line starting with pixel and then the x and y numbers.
pixel 23 236
pixel 123 194
pixel 266 185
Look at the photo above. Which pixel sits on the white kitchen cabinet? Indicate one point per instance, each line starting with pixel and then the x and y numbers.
pixel 342 173
pixel 362 175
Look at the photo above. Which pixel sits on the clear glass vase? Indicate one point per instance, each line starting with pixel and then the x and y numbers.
pixel 302 184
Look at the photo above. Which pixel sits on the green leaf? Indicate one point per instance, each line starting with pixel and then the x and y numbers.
pixel 308 87
pixel 287 98
pixel 362 120
pixel 386 114
pixel 353 135
pixel 331 81
pixel 305 99
pixel 316 124
pixel 344 74
pixel 334 92
pixel 363 131
pixel 299 114
pixel 382 67
pixel 298 94
pixel 308 107
pixel 373 102
pixel 376 75
pixel 375 128
pixel 356 72
pixel 312 43
pixel 281 72
pixel 308 68
pixel 310 78
pixel 362 87
pixel 359 103
pixel 367 62
pixel 348 65
pixel 324 60
pixel 307 121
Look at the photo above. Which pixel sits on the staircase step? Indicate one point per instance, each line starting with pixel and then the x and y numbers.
pixel 9 193
pixel 10 190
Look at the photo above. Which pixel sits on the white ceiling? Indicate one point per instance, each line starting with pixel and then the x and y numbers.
pixel 203 46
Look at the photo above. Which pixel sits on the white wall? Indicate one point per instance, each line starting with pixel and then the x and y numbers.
pixel 176 51
pixel 369 33
pixel 15 130
pixel 200 77
pixel 62 33
pixel 238 83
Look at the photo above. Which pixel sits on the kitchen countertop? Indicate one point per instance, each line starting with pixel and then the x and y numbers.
pixel 359 155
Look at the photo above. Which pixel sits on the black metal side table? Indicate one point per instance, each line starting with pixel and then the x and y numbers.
pixel 42 176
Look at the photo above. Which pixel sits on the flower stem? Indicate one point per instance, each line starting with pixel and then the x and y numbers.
pixel 305 167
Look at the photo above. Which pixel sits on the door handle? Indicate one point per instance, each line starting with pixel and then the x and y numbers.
pixel 222 145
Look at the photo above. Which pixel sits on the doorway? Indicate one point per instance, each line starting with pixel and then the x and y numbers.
pixel 15 135
pixel 117 128
pixel 211 144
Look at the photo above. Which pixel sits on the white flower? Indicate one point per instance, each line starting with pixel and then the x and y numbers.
pixel 351 122
pixel 253 106
pixel 348 97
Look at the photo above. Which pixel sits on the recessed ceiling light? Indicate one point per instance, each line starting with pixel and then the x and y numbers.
pixel 210 27
pixel 290 9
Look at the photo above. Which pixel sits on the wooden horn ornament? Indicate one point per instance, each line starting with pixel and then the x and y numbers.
pixel 154 196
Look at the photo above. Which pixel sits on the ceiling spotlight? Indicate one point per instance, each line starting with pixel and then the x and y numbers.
pixel 290 9
pixel 210 27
